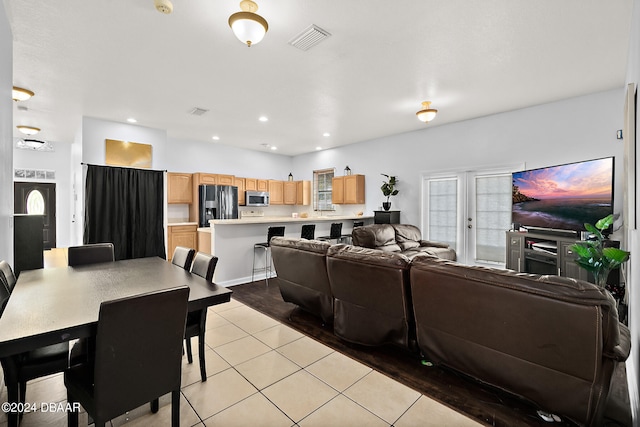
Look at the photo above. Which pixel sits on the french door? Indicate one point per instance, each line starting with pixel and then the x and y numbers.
pixel 469 210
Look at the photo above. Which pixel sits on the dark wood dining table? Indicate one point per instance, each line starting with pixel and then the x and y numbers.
pixel 49 306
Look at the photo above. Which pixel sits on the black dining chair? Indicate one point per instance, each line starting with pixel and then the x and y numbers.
pixel 308 231
pixel 271 232
pixel 335 233
pixel 183 257
pixel 134 367
pixel 27 366
pixel 204 265
pixel 90 254
pixel 8 276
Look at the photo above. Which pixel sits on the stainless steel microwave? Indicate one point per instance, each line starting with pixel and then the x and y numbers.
pixel 257 198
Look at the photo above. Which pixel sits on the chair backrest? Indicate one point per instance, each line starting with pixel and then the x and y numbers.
pixel 336 230
pixel 275 231
pixel 138 350
pixel 182 257
pixel 7 275
pixel 204 265
pixel 358 224
pixel 4 293
pixel 90 254
pixel 308 231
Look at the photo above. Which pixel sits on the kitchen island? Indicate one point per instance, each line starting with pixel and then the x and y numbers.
pixel 232 241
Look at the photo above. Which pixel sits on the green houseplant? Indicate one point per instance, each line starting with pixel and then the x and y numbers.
pixel 594 257
pixel 388 190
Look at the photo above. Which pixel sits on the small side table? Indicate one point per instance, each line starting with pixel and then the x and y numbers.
pixel 386 217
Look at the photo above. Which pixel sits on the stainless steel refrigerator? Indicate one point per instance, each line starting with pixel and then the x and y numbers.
pixel 217 202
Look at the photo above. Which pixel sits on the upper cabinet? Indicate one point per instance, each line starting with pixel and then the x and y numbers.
pixel 348 189
pixel 240 183
pixel 179 188
pixel 250 184
pixel 290 190
pixel 262 185
pixel 276 192
pixel 303 193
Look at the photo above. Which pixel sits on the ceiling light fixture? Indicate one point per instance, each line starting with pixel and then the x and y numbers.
pixel 28 130
pixel 427 113
pixel 163 6
pixel 20 94
pixel 248 26
pixel 274 148
pixel 215 138
pixel 132 120
pixel 263 119
pixel 326 134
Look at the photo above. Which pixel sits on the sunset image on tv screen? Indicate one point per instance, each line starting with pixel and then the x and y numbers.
pixel 565 196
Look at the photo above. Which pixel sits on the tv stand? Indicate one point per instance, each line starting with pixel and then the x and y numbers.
pixel 548 253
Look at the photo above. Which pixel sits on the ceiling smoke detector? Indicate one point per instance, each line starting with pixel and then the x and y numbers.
pixel 196 111
pixel 309 37
pixel 163 6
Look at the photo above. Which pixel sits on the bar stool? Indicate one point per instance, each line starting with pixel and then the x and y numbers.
pixel 308 231
pixel 335 233
pixel 271 232
pixel 346 238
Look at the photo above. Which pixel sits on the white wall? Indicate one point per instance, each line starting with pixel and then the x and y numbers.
pixel 6 141
pixel 58 161
pixel 544 135
pixel 633 272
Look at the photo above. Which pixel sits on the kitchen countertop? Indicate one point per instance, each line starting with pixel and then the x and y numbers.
pixel 280 219
pixel 181 223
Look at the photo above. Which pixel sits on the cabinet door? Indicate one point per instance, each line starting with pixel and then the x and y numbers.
pixel 568 266
pixel 354 189
pixel 179 188
pixel 263 185
pixel 240 183
pixel 207 178
pixel 303 193
pixel 290 190
pixel 181 235
pixel 250 184
pixel 337 190
pixel 515 252
pixel 276 192
pixel 225 179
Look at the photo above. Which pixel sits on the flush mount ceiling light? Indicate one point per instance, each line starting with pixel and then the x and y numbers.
pixel 163 6
pixel 427 113
pixel 248 26
pixel 20 94
pixel 28 130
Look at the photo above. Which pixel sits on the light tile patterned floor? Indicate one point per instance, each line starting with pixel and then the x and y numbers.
pixel 263 373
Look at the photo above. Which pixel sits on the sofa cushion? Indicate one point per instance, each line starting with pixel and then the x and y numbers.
pixel 409 244
pixel 374 236
pixel 407 233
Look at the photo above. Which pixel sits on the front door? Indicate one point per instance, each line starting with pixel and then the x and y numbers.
pixel 38 198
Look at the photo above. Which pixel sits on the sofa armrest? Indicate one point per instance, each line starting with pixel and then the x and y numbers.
pixel 424 243
pixel 621 351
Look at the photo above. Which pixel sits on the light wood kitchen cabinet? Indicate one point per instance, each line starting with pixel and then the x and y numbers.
pixel 179 188
pixel 205 178
pixel 204 242
pixel 225 179
pixel 250 184
pixel 290 189
pixel 303 193
pixel 263 185
pixel 240 183
pixel 180 235
pixel 348 189
pixel 276 192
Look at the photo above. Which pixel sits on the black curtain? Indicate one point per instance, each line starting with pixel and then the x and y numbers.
pixel 124 206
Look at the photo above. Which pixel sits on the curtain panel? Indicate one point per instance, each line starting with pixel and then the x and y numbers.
pixel 124 206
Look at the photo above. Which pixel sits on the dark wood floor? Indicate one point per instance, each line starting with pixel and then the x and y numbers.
pixel 480 402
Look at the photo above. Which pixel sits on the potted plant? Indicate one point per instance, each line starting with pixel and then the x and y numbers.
pixel 594 257
pixel 388 190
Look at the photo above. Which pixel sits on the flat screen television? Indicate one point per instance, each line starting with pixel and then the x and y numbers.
pixel 563 197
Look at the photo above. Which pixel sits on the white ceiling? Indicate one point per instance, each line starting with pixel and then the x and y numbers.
pixel 114 59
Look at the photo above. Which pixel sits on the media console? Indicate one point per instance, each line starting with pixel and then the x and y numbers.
pixel 542 253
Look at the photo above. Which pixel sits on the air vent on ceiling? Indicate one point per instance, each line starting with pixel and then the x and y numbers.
pixel 195 111
pixel 308 38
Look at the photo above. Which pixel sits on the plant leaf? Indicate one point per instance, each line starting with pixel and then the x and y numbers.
pixel 618 255
pixel 605 222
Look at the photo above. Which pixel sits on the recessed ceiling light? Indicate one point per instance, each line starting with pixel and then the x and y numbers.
pixel 28 130
pixel 263 119
pixel 318 148
pixel 132 120
pixel 326 134
pixel 273 147
pixel 216 138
